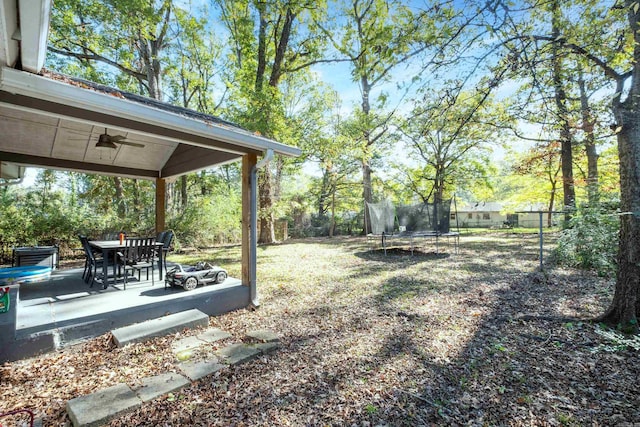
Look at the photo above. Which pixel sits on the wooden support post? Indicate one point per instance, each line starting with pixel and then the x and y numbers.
pixel 248 162
pixel 161 199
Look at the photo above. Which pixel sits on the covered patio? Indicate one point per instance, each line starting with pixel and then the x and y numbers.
pixel 65 309
pixel 58 122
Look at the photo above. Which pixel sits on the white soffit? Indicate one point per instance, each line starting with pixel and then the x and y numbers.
pixel 33 86
pixel 9 48
pixel 34 30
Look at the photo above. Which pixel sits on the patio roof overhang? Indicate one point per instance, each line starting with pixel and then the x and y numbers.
pixel 55 124
pixel 54 121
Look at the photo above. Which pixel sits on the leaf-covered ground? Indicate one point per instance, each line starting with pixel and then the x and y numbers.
pixel 474 338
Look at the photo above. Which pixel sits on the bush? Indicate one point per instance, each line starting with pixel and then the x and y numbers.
pixel 208 221
pixel 591 240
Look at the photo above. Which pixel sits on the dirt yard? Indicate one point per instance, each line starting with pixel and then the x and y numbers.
pixel 474 338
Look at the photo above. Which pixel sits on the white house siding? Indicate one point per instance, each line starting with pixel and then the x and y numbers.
pixel 483 214
pixel 494 214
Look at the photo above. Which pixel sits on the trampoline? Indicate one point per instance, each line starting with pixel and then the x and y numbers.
pixel 416 223
pixel 26 274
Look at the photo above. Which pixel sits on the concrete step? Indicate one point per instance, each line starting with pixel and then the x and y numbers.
pixel 143 331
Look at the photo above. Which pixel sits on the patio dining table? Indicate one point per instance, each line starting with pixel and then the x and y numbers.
pixel 109 249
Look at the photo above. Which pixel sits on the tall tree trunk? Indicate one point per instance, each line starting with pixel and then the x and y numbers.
pixel 137 205
pixel 552 199
pixel 267 231
pixel 184 196
pixel 552 173
pixel 262 46
pixel 367 190
pixel 120 203
pixel 270 189
pixel 367 193
pixel 625 308
pixel 153 69
pixel 332 223
pixel 589 142
pixel 560 97
pixel 324 192
pixel 227 176
pixel 276 71
pixel 438 184
pixel 203 184
pixel 277 181
pixel 171 201
pixel 149 48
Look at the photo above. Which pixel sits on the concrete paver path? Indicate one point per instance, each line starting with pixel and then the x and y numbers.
pixel 98 408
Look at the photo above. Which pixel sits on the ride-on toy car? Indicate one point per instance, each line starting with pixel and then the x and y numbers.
pixel 189 277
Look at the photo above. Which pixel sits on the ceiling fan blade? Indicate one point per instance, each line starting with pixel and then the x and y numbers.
pixel 117 138
pixel 132 144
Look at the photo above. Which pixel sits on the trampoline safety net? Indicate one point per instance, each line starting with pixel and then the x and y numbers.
pixel 425 217
pixel 382 217
pixel 422 217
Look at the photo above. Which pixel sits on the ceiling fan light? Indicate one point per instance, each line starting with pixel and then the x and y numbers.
pixel 105 143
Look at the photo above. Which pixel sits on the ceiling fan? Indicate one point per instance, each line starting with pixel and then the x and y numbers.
pixel 108 142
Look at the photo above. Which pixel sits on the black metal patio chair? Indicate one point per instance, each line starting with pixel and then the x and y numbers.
pixel 139 253
pixel 91 263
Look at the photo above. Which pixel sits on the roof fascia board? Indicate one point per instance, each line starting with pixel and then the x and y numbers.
pixel 63 93
pixel 9 48
pixel 72 165
pixel 34 30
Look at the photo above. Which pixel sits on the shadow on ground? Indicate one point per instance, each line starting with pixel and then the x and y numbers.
pixel 394 255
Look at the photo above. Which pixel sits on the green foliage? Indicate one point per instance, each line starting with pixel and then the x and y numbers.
pixel 449 140
pixel 60 206
pixel 44 214
pixel 617 341
pixel 591 240
pixel 209 220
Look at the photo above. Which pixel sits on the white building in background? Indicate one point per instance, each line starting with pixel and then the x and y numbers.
pixel 498 214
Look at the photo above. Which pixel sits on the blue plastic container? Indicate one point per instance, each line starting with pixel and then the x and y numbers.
pixel 26 274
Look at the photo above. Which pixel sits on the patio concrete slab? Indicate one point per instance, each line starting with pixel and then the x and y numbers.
pixel 152 387
pixel 235 354
pixel 69 311
pixel 158 327
pixel 196 370
pixel 97 408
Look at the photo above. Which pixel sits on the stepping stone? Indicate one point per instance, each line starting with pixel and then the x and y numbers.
pixel 182 347
pixel 213 335
pixel 188 343
pixel 266 347
pixel 235 354
pixel 158 327
pixel 263 335
pixel 158 385
pixel 197 370
pixel 97 408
